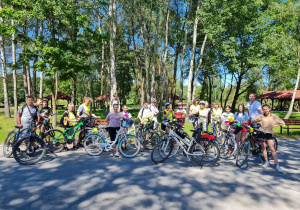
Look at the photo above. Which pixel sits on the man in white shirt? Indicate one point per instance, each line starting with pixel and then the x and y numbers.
pixel 145 115
pixel 154 110
pixel 254 108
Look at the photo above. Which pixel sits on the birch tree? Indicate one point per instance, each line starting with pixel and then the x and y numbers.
pixel 112 40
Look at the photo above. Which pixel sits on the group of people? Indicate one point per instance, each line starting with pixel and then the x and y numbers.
pixel 256 114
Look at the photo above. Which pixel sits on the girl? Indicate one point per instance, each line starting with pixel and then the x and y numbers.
pixel 268 121
pixel 226 116
pixel 241 117
pixel 183 111
pixel 70 121
pixel 203 115
pixel 125 112
pixel 216 113
pixel 113 118
pixel 115 100
pixel 194 108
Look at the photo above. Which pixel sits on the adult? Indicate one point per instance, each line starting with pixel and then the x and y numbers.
pixel 45 114
pixel 145 114
pixel 115 100
pixel 254 108
pixel 268 121
pixel 113 119
pixel 28 114
pixel 203 115
pixel 84 110
pixel 155 111
pixel 241 117
pixel 195 107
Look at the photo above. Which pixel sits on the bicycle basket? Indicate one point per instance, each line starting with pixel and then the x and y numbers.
pixel 127 123
pixel 179 115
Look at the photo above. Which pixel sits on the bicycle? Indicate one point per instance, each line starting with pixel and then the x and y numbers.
pixel 252 143
pixel 56 139
pixel 30 149
pixel 226 141
pixel 129 145
pixel 202 149
pixel 215 128
pixel 147 135
pixel 14 136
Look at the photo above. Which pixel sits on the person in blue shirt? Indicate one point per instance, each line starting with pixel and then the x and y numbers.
pixel 241 117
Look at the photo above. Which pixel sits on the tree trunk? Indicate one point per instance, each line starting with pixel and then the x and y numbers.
pixel 74 89
pixel 236 95
pixel 14 59
pixel 295 89
pixel 191 72
pixel 54 98
pixel 173 90
pixel 112 40
pixel 204 84
pixel 183 54
pixel 102 58
pixel 210 90
pixel 222 91
pixel 154 56
pixel 28 78
pixel 41 73
pixel 198 66
pixel 225 103
pixel 35 60
pixel 4 76
pixel 91 93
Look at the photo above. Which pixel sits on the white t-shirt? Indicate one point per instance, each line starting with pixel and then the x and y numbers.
pixel 225 117
pixel 194 108
pixel 145 114
pixel 202 113
pixel 216 113
pixel 254 109
pixel 154 109
pixel 127 114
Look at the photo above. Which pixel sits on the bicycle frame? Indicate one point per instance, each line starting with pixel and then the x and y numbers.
pixel 64 133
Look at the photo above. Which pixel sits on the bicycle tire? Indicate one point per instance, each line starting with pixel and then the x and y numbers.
pixel 92 142
pixel 161 151
pixel 54 140
pixel 140 138
pixel 210 150
pixel 129 146
pixel 175 148
pixel 25 154
pixel 150 138
pixel 224 146
pixel 9 144
pixel 243 153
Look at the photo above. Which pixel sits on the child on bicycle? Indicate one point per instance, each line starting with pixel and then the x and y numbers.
pixel 226 116
pixel 127 115
pixel 203 115
pixel 216 116
pixel 182 114
pixel 45 114
pixel 241 117
pixel 168 116
pixel 69 122
pixel 145 115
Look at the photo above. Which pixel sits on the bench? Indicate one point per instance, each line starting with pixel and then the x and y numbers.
pixel 288 123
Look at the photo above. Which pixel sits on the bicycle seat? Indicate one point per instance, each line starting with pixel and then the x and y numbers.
pixel 17 127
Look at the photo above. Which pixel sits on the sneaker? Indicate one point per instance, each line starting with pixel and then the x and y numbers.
pixel 79 145
pixel 278 169
pixel 66 148
pixel 111 154
pixel 117 154
pixel 74 148
pixel 266 164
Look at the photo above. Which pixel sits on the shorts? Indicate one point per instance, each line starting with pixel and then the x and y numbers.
pixel 70 132
pixel 268 136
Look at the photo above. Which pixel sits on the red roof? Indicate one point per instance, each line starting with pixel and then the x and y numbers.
pixel 102 98
pixel 60 95
pixel 281 94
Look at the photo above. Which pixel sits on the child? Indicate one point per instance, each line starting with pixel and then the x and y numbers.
pixel 70 121
pixel 183 111
pixel 127 115
pixel 45 114
pixel 168 116
pixel 226 116
pixel 203 115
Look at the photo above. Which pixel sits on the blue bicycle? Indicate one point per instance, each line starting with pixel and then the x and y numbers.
pixel 11 140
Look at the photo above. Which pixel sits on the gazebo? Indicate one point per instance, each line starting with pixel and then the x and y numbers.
pixel 101 99
pixel 62 96
pixel 170 97
pixel 282 96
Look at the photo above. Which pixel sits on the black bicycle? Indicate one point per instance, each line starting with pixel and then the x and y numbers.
pixel 253 143
pixel 147 136
pixel 29 149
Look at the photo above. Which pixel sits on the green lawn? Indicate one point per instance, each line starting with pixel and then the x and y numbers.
pixel 6 125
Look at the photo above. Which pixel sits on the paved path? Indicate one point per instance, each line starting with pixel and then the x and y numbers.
pixel 75 180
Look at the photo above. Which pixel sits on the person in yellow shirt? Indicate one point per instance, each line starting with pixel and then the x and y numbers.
pixel 84 110
pixel 203 115
pixel 70 121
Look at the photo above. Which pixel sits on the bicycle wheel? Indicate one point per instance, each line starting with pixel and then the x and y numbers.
pixel 227 146
pixel 206 152
pixel 175 146
pixel 92 144
pixel 242 153
pixel 150 138
pixel 55 140
pixel 275 146
pixel 141 139
pixel 161 151
pixel 29 150
pixel 129 146
pixel 9 144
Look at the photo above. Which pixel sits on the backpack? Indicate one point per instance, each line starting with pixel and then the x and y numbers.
pixel 34 117
pixel 62 119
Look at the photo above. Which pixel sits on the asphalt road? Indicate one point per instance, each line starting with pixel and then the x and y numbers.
pixel 75 180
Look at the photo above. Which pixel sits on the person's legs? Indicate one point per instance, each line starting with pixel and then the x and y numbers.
pixel 117 149
pixel 264 151
pixel 237 139
pixel 272 148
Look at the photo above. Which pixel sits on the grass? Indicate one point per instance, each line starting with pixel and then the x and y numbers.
pixel 6 125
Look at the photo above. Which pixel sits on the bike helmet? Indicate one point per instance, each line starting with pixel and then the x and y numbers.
pixel 153 100
pixel 180 104
pixel 167 104
pixel 45 99
pixel 202 102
